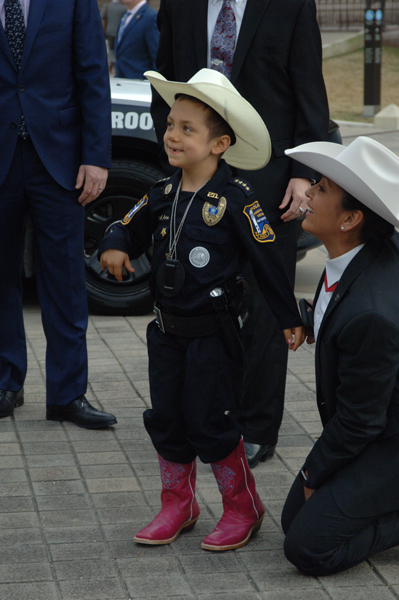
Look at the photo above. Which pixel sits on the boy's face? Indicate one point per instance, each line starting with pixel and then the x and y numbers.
pixel 186 139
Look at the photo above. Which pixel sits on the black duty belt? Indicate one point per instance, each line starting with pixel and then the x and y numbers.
pixel 186 326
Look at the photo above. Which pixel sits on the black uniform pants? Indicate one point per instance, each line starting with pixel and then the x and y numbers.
pixel 322 540
pixel 266 352
pixel 192 383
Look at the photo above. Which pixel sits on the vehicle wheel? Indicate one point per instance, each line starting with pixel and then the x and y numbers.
pixel 128 182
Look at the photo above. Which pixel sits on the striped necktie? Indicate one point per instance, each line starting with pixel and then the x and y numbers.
pixel 15 33
pixel 122 25
pixel 223 42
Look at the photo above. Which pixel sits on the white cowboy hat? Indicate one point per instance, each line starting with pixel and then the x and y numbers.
pixel 365 169
pixel 252 149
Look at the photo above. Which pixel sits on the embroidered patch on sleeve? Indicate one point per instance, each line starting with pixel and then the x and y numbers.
pixel 260 227
pixel 127 218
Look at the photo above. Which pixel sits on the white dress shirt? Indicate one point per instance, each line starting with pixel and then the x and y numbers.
pixel 334 270
pixel 214 7
pixel 25 9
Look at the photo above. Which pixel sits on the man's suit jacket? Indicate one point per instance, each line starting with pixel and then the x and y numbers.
pixel 357 376
pixel 137 49
pixel 62 88
pixel 276 67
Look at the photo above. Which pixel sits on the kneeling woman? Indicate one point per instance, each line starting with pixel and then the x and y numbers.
pixel 344 505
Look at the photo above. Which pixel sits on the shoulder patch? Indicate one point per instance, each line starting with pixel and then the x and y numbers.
pixel 260 227
pixel 242 184
pixel 127 218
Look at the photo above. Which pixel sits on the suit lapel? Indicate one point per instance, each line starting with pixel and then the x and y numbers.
pixel 253 14
pixel 4 45
pixel 134 20
pixel 199 16
pixel 357 265
pixel 36 11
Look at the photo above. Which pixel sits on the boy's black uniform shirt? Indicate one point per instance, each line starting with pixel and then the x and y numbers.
pixel 224 243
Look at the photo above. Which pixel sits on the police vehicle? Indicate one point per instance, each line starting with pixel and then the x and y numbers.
pixel 135 169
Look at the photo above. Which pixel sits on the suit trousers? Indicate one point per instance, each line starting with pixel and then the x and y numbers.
pixel 322 540
pixel 266 352
pixel 193 382
pixel 58 229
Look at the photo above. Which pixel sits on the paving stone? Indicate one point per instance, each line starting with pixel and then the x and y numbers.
pixel 18 520
pixel 86 589
pixel 163 587
pixel 117 484
pixel 73 535
pixel 67 518
pixel 78 569
pixel 54 473
pixel 62 503
pixel 48 460
pixel 101 458
pixel 29 591
pixel 79 551
pixel 46 447
pixel 106 471
pixel 55 488
pixel 30 572
pixel 14 489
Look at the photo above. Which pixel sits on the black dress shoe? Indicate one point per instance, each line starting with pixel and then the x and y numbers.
pixel 9 401
pixel 256 453
pixel 81 413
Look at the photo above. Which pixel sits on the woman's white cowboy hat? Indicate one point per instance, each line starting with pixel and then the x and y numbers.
pixel 252 149
pixel 366 169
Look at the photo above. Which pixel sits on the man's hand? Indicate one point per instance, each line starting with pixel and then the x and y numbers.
pixel 114 261
pixel 294 337
pixel 295 193
pixel 93 179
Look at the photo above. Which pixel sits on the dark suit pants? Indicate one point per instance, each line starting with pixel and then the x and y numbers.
pixel 322 540
pixel 58 224
pixel 192 383
pixel 261 409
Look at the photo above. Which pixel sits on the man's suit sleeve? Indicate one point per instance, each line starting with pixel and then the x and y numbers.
pixel 308 84
pixel 92 77
pixel 368 350
pixel 152 38
pixel 165 66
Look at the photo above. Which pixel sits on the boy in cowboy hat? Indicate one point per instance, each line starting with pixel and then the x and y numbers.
pixel 205 224
pixel 344 505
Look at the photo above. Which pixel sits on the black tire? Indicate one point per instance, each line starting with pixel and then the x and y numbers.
pixel 128 182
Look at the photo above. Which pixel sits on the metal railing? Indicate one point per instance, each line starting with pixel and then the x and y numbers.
pixel 347 14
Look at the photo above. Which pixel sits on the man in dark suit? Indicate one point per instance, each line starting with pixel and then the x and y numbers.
pixel 344 505
pixel 276 66
pixel 55 152
pixel 137 40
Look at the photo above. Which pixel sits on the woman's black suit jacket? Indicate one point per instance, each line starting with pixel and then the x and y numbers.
pixel 276 67
pixel 357 375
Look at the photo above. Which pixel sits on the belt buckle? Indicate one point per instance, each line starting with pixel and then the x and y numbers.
pixel 158 318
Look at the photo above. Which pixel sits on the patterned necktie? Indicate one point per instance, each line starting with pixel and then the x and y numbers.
pixel 223 42
pixel 122 26
pixel 15 33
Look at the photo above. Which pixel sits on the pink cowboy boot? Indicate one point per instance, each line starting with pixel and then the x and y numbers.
pixel 179 510
pixel 243 510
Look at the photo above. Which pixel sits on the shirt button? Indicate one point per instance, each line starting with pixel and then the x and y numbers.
pixel 21 88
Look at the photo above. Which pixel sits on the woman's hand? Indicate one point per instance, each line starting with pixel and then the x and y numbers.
pixel 294 337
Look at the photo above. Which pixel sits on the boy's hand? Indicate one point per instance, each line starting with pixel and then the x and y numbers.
pixel 114 261
pixel 294 337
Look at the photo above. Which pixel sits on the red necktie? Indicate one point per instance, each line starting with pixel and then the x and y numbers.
pixel 332 287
